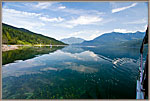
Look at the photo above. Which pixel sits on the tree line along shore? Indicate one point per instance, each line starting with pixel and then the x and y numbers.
pixel 14 47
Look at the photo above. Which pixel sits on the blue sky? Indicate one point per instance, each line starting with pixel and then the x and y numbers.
pixel 86 20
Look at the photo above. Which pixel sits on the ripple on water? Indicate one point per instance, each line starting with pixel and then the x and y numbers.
pixel 121 61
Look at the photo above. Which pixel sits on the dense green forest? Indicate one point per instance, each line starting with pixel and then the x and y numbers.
pixel 12 35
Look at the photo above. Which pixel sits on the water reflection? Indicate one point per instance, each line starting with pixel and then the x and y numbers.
pixel 26 53
pixel 58 57
pixel 79 68
pixel 73 49
pixel 69 72
pixel 83 61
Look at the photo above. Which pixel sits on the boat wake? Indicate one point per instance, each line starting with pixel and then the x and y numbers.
pixel 119 61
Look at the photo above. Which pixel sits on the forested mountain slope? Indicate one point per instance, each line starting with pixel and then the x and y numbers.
pixel 14 35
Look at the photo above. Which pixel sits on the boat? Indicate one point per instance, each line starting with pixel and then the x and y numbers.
pixel 142 81
pixel 139 85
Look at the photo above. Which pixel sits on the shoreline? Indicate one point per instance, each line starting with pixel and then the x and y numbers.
pixel 9 47
pixel 14 47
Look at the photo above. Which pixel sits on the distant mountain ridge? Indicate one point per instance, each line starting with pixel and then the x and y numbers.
pixel 14 35
pixel 72 40
pixel 114 38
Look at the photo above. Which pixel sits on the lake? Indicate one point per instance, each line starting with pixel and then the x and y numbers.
pixel 71 72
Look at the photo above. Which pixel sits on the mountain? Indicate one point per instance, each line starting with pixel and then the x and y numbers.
pixel 114 38
pixel 72 40
pixel 132 43
pixel 14 35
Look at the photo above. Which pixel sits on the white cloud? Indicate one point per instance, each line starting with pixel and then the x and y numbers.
pixel 83 12
pixel 77 33
pixel 43 5
pixel 32 26
pixel 85 20
pixel 19 13
pixel 57 6
pixel 141 21
pixel 65 25
pixel 61 7
pixel 123 8
pixel 120 30
pixel 81 20
pixel 21 19
pixel 144 28
pixel 131 31
pixel 124 31
pixel 69 11
pixel 59 19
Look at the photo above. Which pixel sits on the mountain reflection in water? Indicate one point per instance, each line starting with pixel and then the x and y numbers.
pixel 70 72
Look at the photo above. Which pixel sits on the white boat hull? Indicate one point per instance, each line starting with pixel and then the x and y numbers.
pixel 139 93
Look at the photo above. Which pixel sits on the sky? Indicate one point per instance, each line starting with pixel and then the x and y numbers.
pixel 86 20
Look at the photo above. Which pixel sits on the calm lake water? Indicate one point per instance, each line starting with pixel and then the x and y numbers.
pixel 70 72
